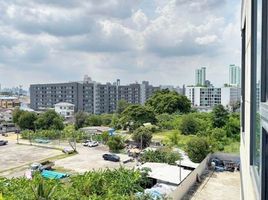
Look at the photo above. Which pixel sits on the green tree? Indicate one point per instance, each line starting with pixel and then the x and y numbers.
pixel 94 120
pixel 189 125
pixel 219 116
pixel 136 115
pixel 26 120
pixel 233 127
pixel 115 143
pixel 49 120
pixel 106 119
pixel 165 101
pixel 16 115
pixel 143 136
pixel 80 119
pixel 121 106
pixel 197 149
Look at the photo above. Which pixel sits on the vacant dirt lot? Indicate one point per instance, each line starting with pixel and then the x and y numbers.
pixel 91 159
pixel 14 155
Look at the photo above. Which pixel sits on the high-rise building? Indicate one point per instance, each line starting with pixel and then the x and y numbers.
pixel 88 95
pixel 200 76
pixel 234 75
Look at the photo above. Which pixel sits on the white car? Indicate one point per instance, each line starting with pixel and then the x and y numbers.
pixel 92 144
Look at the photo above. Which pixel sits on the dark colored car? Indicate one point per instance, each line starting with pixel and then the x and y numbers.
pixel 3 142
pixel 111 157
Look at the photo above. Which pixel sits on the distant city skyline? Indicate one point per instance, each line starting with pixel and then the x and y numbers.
pixel 159 41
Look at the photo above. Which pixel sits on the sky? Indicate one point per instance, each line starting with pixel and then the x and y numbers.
pixel 162 41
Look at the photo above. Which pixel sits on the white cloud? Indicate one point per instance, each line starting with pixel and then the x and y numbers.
pixel 109 39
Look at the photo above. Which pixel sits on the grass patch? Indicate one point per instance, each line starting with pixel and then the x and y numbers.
pixel 166 138
pixel 233 147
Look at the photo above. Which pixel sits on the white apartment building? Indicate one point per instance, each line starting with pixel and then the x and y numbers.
pixel 65 109
pixel 210 96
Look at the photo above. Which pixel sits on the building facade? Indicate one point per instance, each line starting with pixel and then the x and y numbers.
pixel 234 75
pixel 211 96
pixel 200 76
pixel 89 96
pixel 66 110
pixel 9 102
pixel 254 104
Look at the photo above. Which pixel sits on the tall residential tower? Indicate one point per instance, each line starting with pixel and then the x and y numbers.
pixel 234 75
pixel 200 76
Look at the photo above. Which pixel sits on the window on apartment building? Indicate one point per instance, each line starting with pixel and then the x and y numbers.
pixel 256 84
pixel 243 80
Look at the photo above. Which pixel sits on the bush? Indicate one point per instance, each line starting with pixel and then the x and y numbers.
pixel 115 143
pixel 197 149
pixel 165 121
pixel 163 155
pixel 143 135
pixel 189 125
pixel 94 120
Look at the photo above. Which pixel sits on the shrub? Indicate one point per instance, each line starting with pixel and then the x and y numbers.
pixel 197 149
pixel 162 155
pixel 189 125
pixel 115 143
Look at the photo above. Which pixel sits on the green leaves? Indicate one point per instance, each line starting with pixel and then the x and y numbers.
pixel 116 184
pixel 163 155
pixel 169 102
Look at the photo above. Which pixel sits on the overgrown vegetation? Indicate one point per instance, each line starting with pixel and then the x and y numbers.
pixel 117 184
pixel 162 155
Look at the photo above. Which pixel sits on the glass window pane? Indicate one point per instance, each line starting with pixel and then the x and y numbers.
pixel 257 126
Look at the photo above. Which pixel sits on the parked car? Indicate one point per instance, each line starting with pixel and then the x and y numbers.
pixel 3 142
pixel 46 165
pixel 92 144
pixel 68 150
pixel 111 157
pixel 85 143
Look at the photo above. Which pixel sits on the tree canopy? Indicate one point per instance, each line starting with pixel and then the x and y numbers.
pixel 219 116
pixel 121 106
pixel 49 120
pixel 197 149
pixel 165 101
pixel 135 116
pixel 143 136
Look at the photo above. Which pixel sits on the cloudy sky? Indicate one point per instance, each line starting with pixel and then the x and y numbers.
pixel 162 41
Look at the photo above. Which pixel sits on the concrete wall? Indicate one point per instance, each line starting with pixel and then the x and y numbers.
pixel 190 180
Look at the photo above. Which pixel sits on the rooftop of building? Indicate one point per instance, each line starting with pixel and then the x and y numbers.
pixel 216 186
pixel 64 104
pixel 166 173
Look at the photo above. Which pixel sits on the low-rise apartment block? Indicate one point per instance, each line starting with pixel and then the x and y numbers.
pixel 89 96
pixel 211 96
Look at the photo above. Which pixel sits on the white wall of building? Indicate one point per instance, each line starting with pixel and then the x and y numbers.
pixel 65 109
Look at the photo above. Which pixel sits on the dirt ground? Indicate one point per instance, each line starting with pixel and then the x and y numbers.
pixel 219 186
pixel 13 155
pixel 91 159
pixel 16 158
